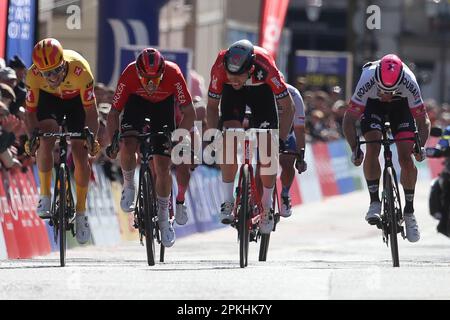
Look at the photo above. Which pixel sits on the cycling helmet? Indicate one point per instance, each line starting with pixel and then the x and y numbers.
pixel 389 73
pixel 48 54
pixel 239 57
pixel 150 63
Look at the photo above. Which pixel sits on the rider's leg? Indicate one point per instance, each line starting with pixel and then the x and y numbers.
pixel 163 184
pixel 229 167
pixel 183 174
pixel 408 178
pixel 82 174
pixel 372 173
pixel 287 178
pixel 44 157
pixel 45 163
pixel 128 148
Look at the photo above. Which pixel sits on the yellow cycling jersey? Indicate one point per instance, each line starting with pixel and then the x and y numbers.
pixel 78 82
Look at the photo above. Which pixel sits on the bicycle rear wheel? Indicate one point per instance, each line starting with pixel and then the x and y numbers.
pixel 243 216
pixel 62 214
pixel 149 206
pixel 391 196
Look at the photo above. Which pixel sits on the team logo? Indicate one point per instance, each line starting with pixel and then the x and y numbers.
pixel 78 71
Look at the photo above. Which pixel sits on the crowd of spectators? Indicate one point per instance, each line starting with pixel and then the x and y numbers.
pixel 325 110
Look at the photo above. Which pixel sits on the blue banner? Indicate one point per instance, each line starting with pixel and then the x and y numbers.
pixel 181 57
pixel 324 70
pixel 124 23
pixel 343 168
pixel 21 29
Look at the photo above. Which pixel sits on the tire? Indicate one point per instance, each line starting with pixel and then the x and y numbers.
pixel 161 253
pixel 264 247
pixel 149 207
pixel 243 216
pixel 62 215
pixel 391 193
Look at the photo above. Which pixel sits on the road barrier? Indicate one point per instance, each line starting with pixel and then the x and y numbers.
pixel 23 235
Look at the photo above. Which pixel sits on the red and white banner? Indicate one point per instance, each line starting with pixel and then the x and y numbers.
pixel 3 23
pixel 273 15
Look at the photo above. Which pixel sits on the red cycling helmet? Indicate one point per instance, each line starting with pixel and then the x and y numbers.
pixel 150 63
pixel 389 73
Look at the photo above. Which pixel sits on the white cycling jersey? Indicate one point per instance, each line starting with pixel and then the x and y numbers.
pixel 367 89
pixel 299 118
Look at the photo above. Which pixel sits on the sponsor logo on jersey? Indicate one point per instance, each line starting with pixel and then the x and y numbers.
pixel 365 88
pixel 282 95
pixel 214 95
pixel 118 94
pixel 180 93
pixel 276 82
pixel 78 71
pixel 89 94
pixel 36 71
pixel 214 82
pixel 411 86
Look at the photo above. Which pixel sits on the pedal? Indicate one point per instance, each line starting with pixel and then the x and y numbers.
pixel 374 221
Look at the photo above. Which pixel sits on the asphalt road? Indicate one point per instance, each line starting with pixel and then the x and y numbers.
pixel 324 251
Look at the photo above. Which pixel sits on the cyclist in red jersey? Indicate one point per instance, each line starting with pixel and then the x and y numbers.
pixel 150 88
pixel 246 75
pixel 388 88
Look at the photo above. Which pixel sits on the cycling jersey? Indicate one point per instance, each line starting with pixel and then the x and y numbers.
pixel 265 72
pixel 299 118
pixel 172 84
pixel 78 82
pixel 367 89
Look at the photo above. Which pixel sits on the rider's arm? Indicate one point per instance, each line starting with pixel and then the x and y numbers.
pixel 212 113
pixel 299 118
pixel 32 100
pixel 188 117
pixel 349 127
pixel 287 111
pixel 113 122
pixel 424 128
pixel 92 118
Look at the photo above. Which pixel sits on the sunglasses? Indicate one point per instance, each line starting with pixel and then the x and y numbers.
pixel 54 72
pixel 150 84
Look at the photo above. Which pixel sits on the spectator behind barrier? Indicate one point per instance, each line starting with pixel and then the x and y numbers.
pixel 20 90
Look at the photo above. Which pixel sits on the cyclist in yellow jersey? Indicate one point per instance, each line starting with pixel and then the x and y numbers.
pixel 60 83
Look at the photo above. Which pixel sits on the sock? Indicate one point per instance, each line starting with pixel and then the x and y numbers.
pixel 181 193
pixel 128 179
pixel 409 199
pixel 374 186
pixel 46 180
pixel 285 191
pixel 228 191
pixel 163 208
pixel 267 198
pixel 81 199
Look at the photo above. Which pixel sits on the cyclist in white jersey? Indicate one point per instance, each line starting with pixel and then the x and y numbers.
pixel 388 88
pixel 294 143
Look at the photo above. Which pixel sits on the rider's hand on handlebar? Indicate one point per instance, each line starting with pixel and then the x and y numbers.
pixel 301 165
pixel 421 155
pixel 357 157
pixel 282 145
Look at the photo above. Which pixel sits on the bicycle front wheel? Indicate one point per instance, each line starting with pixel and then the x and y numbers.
pixel 62 214
pixel 149 206
pixel 391 196
pixel 243 217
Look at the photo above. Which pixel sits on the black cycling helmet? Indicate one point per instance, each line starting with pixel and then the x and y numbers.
pixel 239 57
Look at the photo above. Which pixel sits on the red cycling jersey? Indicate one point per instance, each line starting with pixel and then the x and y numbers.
pixel 265 72
pixel 172 83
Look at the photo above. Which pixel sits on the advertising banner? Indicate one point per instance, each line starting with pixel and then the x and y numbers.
pixel 21 29
pixel 273 15
pixel 325 69
pixel 123 23
pixel 3 24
